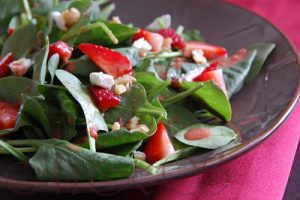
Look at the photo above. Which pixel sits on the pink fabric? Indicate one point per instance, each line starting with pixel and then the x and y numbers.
pixel 262 173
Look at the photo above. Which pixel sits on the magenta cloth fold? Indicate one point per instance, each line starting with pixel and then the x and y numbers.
pixel 262 173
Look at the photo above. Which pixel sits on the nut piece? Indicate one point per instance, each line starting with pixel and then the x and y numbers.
pixel 59 20
pixel 123 80
pixel 140 128
pixel 198 56
pixel 167 44
pixel 116 126
pixel 20 67
pixel 71 16
pixel 116 20
pixel 133 123
pixel 120 89
pixel 139 155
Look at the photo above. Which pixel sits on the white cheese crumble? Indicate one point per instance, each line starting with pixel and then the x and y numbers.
pixel 59 20
pixel 142 45
pixel 102 80
pixel 192 74
pixel 20 67
pixel 198 56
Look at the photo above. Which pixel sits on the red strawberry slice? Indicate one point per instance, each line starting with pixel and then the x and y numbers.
pixel 8 115
pixel 210 52
pixel 4 69
pixel 154 39
pixel 62 49
pixel 109 61
pixel 104 98
pixel 212 73
pixel 159 145
pixel 177 41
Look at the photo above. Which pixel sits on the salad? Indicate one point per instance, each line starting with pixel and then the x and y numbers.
pixel 85 96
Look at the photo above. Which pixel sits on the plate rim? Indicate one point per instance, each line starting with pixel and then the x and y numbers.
pixel 197 168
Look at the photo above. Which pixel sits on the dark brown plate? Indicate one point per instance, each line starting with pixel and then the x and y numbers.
pixel 258 110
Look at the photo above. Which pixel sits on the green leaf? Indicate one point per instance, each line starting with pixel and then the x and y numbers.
pixel 13 87
pixel 19 45
pixel 98 36
pixel 13 151
pixel 58 160
pixel 211 97
pixel 132 54
pixel 124 150
pixel 40 64
pixel 52 66
pixel 192 35
pixel 66 115
pixel 161 22
pixel 235 76
pixel 82 66
pixel 263 51
pixel 93 117
pixel 105 12
pixel 220 136
pixel 134 103
pixel 177 155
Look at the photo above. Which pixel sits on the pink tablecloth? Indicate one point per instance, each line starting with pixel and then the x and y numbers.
pixel 262 173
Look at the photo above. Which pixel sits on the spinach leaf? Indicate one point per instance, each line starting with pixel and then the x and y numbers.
pixel 19 45
pixel 58 160
pixel 98 36
pixel 82 66
pixel 93 117
pixel 13 87
pixel 235 76
pixel 104 13
pixel 263 51
pixel 52 66
pixel 177 155
pixel 124 150
pixel 132 54
pixel 40 64
pixel 66 114
pixel 212 98
pixel 192 35
pixel 219 136
pixel 161 22
pixel 8 9
pixel 134 103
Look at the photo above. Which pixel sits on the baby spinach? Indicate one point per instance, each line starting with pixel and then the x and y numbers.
pixel 82 66
pixel 132 54
pixel 52 66
pixel 235 76
pixel 220 136
pixel 161 22
pixel 19 45
pixel 263 51
pixel 58 160
pixel 93 117
pixel 192 35
pixel 40 64
pixel 125 149
pixel 212 98
pixel 13 151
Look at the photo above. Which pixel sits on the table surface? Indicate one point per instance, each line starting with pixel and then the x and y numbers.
pixel 292 190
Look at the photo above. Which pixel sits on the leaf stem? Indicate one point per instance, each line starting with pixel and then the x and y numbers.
pixel 145 166
pixel 20 149
pixel 13 151
pixel 86 28
pixel 177 97
pixel 27 9
pixel 164 54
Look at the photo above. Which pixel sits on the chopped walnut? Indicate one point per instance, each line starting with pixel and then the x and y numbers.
pixel 116 126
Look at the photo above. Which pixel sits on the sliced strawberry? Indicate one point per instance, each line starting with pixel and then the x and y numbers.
pixel 8 115
pixel 104 98
pixel 159 145
pixel 154 39
pixel 225 61
pixel 177 41
pixel 109 61
pixel 210 52
pixel 212 73
pixel 62 49
pixel 4 69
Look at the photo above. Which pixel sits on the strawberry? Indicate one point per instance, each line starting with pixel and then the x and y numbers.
pixel 177 41
pixel 109 61
pixel 4 69
pixel 62 49
pixel 8 115
pixel 159 145
pixel 212 73
pixel 154 39
pixel 104 98
pixel 210 52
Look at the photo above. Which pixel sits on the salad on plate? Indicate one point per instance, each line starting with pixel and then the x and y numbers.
pixel 88 97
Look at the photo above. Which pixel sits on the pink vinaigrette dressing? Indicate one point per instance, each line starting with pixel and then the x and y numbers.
pixel 197 134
